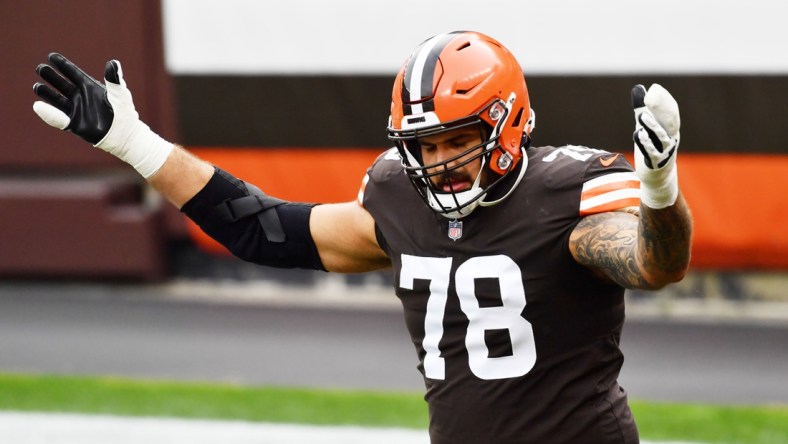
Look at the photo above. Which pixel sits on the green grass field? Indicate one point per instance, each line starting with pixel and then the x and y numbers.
pixel 657 421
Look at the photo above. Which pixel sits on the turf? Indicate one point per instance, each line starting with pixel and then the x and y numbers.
pixel 712 423
pixel 117 396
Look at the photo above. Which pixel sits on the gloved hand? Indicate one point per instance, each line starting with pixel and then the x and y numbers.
pixel 656 137
pixel 103 116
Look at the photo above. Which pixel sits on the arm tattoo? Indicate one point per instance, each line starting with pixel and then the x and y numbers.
pixel 665 238
pixel 607 242
pixel 643 252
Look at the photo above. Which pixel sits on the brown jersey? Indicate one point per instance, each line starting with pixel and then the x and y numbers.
pixel 516 341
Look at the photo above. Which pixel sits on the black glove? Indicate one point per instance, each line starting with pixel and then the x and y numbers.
pixel 79 96
pixel 103 115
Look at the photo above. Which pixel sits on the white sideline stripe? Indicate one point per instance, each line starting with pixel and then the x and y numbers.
pixel 59 428
pixel 66 428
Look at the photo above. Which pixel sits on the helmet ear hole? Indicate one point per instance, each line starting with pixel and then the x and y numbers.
pixel 516 121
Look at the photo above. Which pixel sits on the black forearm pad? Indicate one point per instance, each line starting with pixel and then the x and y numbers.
pixel 246 237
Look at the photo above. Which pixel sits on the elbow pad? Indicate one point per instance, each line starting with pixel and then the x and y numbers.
pixel 253 226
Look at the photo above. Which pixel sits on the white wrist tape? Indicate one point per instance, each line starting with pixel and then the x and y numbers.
pixel 658 188
pixel 144 150
pixel 130 139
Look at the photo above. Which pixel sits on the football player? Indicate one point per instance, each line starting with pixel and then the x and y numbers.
pixel 510 260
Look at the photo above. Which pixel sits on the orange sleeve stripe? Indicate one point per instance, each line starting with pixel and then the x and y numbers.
pixel 611 206
pixel 610 192
pixel 602 189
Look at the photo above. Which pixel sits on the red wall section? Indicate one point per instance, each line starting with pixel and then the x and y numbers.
pixel 89 32
pixel 85 232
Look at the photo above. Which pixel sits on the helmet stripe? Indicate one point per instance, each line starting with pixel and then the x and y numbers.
pixel 420 72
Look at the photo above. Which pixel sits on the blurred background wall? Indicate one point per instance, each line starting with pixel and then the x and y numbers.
pixel 294 96
pixel 66 210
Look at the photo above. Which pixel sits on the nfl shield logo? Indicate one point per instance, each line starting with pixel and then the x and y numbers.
pixel 455 230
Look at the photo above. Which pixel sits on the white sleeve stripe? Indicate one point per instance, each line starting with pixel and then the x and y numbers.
pixel 611 196
pixel 608 179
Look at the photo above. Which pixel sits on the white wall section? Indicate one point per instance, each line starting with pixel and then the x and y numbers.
pixel 548 37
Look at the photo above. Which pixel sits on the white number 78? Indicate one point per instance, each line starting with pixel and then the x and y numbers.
pixel 507 316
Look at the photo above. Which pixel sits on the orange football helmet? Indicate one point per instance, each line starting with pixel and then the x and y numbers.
pixel 456 80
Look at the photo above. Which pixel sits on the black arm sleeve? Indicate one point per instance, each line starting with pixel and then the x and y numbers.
pixel 251 235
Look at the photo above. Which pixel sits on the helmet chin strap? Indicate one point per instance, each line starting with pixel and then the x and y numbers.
pixel 485 203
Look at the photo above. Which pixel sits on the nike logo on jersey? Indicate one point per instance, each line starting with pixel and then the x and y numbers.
pixel 609 161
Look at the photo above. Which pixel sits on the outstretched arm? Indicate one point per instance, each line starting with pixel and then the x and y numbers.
pixel 651 249
pixel 181 176
pixel 343 233
pixel 334 237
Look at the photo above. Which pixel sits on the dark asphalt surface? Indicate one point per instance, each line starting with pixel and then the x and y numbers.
pixel 119 331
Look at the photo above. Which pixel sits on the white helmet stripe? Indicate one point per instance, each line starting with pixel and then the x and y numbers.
pixel 417 71
pixel 420 72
